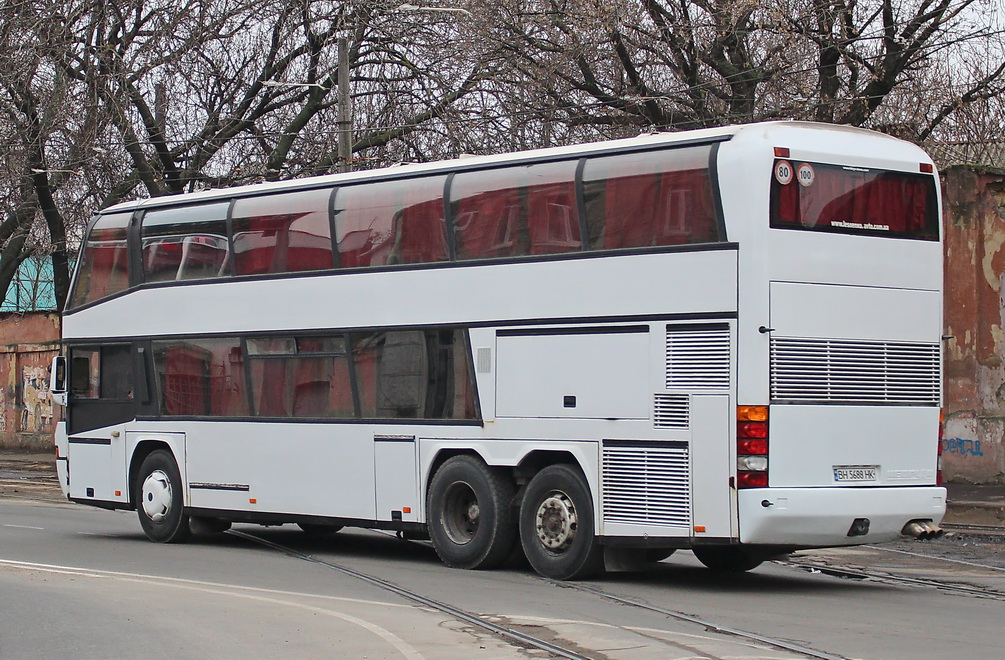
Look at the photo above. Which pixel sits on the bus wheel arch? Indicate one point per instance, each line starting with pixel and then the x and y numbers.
pixel 557 517
pixel 160 498
pixel 469 512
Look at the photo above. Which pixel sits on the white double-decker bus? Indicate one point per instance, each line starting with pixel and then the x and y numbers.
pixel 725 340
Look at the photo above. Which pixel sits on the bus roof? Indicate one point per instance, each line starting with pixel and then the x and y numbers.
pixel 642 142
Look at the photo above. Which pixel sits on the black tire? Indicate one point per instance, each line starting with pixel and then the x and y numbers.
pixel 470 520
pixel 728 558
pixel 315 529
pixel 556 525
pixel 203 525
pixel 159 499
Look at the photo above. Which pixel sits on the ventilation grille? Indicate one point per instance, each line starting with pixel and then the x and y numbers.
pixel 833 371
pixel 698 359
pixel 646 485
pixel 671 411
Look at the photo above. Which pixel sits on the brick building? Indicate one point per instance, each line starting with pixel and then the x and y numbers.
pixel 28 343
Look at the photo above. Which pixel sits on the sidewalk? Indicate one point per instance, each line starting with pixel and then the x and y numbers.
pixel 968 504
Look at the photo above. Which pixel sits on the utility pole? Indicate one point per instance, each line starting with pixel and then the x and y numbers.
pixel 344 108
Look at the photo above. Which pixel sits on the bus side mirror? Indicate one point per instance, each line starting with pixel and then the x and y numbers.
pixel 57 380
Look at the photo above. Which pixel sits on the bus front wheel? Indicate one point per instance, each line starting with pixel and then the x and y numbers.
pixel 556 525
pixel 728 559
pixel 159 502
pixel 469 514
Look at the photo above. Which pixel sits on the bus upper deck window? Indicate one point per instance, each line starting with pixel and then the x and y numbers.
pixel 104 261
pixel 391 222
pixel 516 211
pixel 650 199
pixel 185 243
pixel 283 233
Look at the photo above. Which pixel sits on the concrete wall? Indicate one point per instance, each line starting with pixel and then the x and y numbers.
pixel 28 343
pixel 974 206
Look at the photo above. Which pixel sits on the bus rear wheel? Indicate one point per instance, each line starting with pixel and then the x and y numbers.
pixel 556 525
pixel 159 502
pixel 728 559
pixel 469 514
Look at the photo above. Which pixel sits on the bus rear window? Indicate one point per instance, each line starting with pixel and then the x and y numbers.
pixel 853 200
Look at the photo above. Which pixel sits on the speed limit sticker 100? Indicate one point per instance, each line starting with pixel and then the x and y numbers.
pixel 806 175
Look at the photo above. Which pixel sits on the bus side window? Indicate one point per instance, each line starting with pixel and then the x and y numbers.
pixel 83 384
pixel 515 211
pixel 185 243
pixel 200 377
pixel 283 233
pixel 300 377
pixel 651 199
pixel 104 261
pixel 395 222
pixel 414 374
pixel 102 373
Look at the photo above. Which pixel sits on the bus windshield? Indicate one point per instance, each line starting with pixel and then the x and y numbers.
pixel 853 200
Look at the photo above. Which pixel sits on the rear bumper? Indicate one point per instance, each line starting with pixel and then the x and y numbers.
pixel 819 517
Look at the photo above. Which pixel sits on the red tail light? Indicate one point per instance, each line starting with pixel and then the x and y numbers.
pixel 751 479
pixel 752 447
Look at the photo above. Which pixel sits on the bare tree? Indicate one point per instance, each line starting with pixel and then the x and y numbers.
pixel 688 63
pixel 110 99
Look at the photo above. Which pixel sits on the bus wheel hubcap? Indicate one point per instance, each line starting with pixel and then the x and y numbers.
pixel 557 522
pixel 461 514
pixel 156 495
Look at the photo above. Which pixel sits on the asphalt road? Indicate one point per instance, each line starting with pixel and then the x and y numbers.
pixel 83 583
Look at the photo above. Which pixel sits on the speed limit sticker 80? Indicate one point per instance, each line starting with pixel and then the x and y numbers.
pixel 784 172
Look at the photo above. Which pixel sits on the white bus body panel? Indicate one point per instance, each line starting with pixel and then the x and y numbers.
pixel 619 286
pixel 855 312
pixel 821 517
pixel 574 375
pixel 96 462
pixel 306 469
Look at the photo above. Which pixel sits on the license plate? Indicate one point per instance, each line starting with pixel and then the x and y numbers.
pixel 844 473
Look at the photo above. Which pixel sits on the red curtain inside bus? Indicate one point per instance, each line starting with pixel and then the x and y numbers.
pixel 516 211
pixel 283 233
pixel 650 199
pixel 202 377
pixel 668 208
pixel 104 268
pixel 398 222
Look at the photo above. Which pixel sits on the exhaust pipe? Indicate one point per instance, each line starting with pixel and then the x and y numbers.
pixel 923 530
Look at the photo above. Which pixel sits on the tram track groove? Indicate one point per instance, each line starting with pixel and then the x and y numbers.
pixel 462 615
pixel 706 623
pixel 847 572
pixel 683 616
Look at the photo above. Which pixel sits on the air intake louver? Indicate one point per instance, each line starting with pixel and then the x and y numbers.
pixel 846 371
pixel 646 484
pixel 671 411
pixel 697 359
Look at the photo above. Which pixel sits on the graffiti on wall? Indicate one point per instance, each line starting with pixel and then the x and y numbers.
pixel 962 447
pixel 36 404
